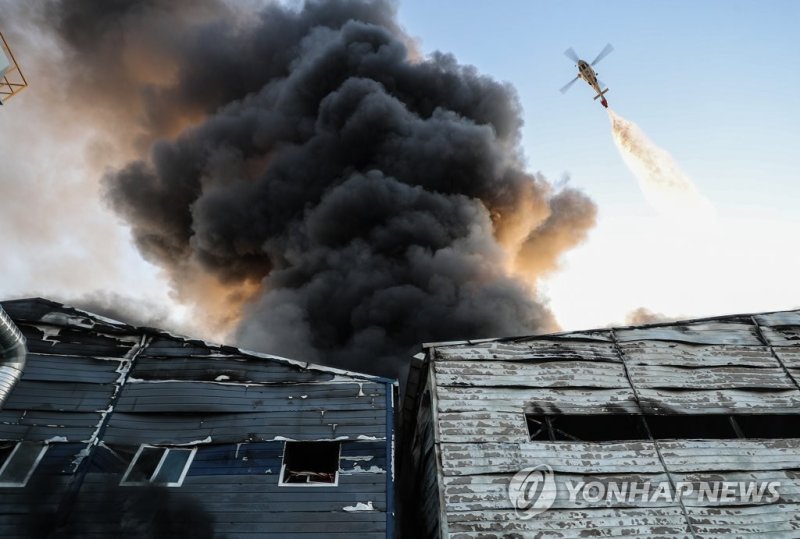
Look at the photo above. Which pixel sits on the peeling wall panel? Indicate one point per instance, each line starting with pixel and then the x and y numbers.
pixel 782 336
pixel 720 401
pixel 790 356
pixel 545 374
pixel 722 332
pixel 225 368
pixel 66 341
pixel 723 455
pixel 567 401
pixel 646 376
pixel 538 350
pixel 778 520
pixel 612 522
pixel 133 429
pixel 485 426
pixel 199 397
pixel 487 458
pixel 694 355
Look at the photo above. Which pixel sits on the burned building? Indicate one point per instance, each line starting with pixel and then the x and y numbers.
pixel 704 408
pixel 114 430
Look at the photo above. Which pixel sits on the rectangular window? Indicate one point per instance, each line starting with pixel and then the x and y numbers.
pixel 18 460
pixel 310 464
pixel 159 465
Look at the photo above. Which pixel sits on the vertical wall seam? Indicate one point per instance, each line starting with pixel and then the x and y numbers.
pixel 67 504
pixel 650 434
pixel 772 351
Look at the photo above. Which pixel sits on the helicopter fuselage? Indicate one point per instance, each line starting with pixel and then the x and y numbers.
pixel 588 74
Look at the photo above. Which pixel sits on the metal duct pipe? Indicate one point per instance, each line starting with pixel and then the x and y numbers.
pixel 12 355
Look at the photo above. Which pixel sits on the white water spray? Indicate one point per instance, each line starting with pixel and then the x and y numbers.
pixel 664 185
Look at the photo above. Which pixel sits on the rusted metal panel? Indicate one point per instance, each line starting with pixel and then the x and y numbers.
pixel 722 455
pixel 487 458
pixel 545 400
pixel 720 332
pixel 695 355
pixel 647 376
pixel 540 374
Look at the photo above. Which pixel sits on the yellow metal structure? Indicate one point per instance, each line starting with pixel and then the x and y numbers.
pixel 12 81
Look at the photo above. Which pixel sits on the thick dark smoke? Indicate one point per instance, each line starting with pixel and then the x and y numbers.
pixel 339 196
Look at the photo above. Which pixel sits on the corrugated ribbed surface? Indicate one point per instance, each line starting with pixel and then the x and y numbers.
pixel 729 365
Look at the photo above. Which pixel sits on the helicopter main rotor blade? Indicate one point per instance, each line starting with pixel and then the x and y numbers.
pixel 603 53
pixel 569 53
pixel 567 85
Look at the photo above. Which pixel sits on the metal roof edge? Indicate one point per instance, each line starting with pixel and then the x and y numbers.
pixel 442 344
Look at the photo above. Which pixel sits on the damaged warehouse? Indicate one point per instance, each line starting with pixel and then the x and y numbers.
pixel 114 430
pixel 684 404
pixel 134 432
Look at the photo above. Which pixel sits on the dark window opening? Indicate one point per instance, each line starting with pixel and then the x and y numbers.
pixel 310 463
pixel 622 427
pixel 539 427
pixel 686 427
pixel 586 428
pixel 769 426
pixel 596 428
pixel 18 460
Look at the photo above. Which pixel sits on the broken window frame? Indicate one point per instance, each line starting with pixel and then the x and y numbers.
pixel 165 451
pixel 334 483
pixel 9 461
pixel 551 430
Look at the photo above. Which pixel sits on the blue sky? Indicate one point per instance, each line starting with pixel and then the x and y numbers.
pixel 715 83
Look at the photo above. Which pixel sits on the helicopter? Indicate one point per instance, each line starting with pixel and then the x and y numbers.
pixel 587 73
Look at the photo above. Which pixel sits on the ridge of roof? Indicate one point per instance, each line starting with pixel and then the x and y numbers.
pixel 587 332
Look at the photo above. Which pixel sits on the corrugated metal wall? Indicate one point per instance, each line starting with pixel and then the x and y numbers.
pixel 94 390
pixel 732 365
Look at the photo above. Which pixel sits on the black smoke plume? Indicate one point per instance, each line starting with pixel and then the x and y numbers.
pixel 310 176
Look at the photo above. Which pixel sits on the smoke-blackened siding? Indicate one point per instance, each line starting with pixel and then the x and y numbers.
pixel 95 406
pixel 738 365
